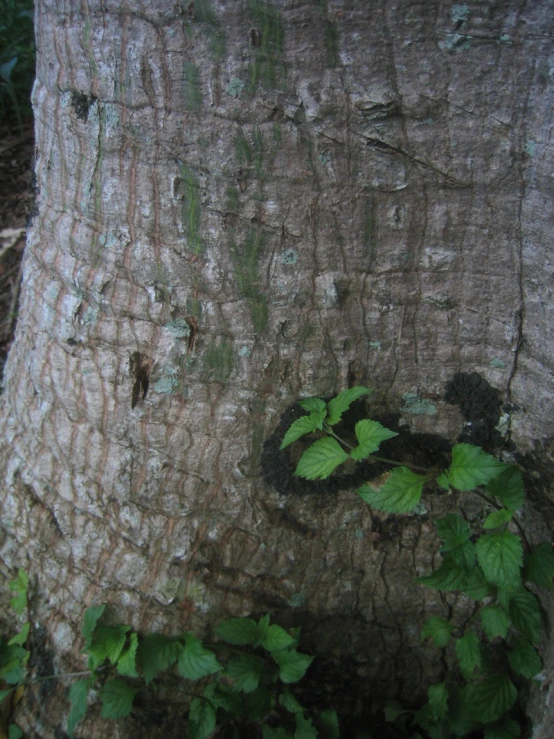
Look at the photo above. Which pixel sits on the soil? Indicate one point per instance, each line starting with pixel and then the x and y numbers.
pixel 16 191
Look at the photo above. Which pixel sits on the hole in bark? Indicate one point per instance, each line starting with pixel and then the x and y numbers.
pixel 139 366
pixel 81 103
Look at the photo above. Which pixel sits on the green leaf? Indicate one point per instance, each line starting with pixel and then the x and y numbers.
pixel 269 733
pixel 292 665
pixel 526 616
pixel 263 628
pixel 156 653
pixel 246 671
pixel 13 661
pixel 506 728
pixel 107 643
pixel 459 721
pixel 524 658
pixel 126 664
pixel 221 696
pixel 508 488
pixel 238 631
pixel 394 709
pixel 449 576
pixel 476 585
pixel 117 699
pixel 202 719
pixel 492 698
pixel 497 518
pixel 439 629
pixel 438 700
pixel 495 621
pixel 399 494
pixel 21 637
pixel 195 661
pixel 277 639
pixel 5 693
pixel 471 466
pixel 456 534
pixel 337 406
pixel 505 595
pixel 90 620
pixel 78 694
pixel 500 555
pixel 19 602
pixel 443 481
pixel 320 459
pixel 304 728
pixel 538 566
pixel 327 724
pixel 313 405
pixel 14 732
pixel 257 704
pixel 468 652
pixel 302 426
pixel 289 702
pixel 369 434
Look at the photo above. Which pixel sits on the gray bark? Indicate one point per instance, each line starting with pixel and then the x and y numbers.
pixel 333 193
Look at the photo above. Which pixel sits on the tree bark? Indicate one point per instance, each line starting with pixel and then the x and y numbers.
pixel 243 204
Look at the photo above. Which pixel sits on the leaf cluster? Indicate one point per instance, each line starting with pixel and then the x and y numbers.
pixel 17 59
pixel 245 676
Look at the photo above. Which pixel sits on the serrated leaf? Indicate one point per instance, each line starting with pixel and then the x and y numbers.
pixel 90 619
pixel 246 671
pixel 471 467
pixel 497 518
pixel 342 402
pixel 195 661
pixel 257 704
pixel 13 660
pixel 19 602
pixel 468 652
pixel 277 638
pixel 438 629
pixel 438 700
pixel 508 488
pixel 525 612
pixel 21 637
pixel 21 583
pixel 292 665
pixel 126 664
pixel 491 698
pixel 202 719
pixel 263 627
pixel 476 585
pixel 327 724
pixel 538 566
pixel 459 721
pixel 399 494
pixel 524 658
pixel 320 459
pixel 78 694
pixel 238 631
pixel 117 699
pixel 155 654
pixel 313 405
pixel 107 643
pixel 449 576
pixel 369 434
pixel 289 702
pixel 300 427
pixel 224 697
pixel 456 534
pixel 500 555
pixel 443 481
pixel 304 727
pixel 495 621
pixel 506 728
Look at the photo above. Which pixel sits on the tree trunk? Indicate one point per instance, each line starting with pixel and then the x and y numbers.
pixel 243 204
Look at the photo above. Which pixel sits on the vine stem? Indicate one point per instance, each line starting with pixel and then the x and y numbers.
pixel 378 459
pixel 498 507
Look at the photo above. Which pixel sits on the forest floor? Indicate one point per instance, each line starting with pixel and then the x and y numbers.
pixel 16 177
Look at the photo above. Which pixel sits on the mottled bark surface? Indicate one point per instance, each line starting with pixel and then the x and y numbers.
pixel 241 205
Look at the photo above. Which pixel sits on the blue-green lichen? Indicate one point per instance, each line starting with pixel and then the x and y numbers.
pixel 166 385
pixel 245 351
pixel 375 345
pixel 297 600
pixel 289 257
pixel 497 363
pixel 178 328
pixel 530 147
pixel 89 316
pixel 417 406
pixel 456 42
pixel 235 87
pixel 459 13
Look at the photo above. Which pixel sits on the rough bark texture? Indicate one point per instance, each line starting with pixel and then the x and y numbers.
pixel 242 204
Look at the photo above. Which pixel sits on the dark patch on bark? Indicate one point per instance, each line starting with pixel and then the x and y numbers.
pixel 81 103
pixel 480 405
pixel 425 450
